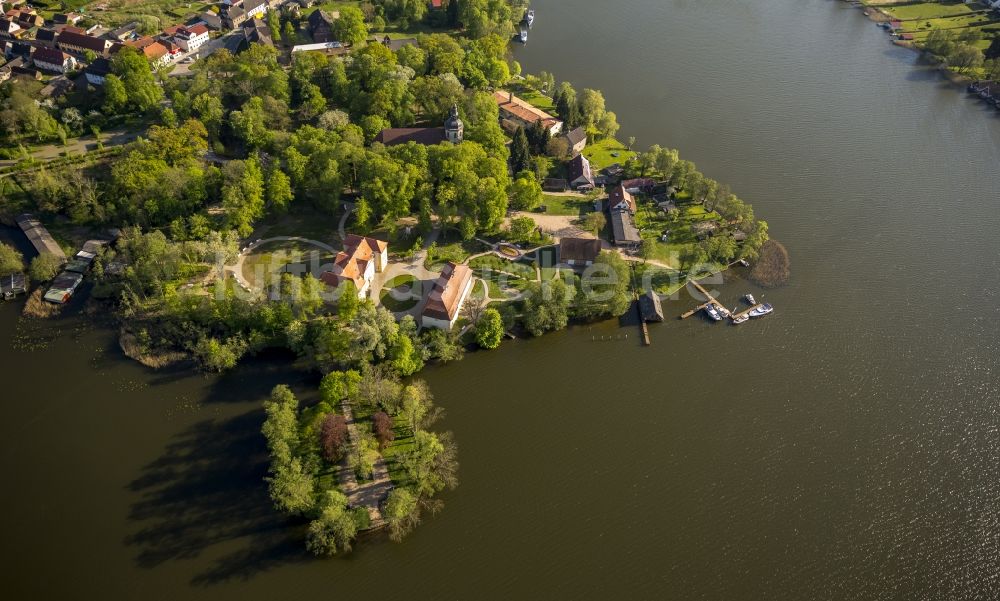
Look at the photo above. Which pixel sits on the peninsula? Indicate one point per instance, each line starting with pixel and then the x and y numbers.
pixel 372 186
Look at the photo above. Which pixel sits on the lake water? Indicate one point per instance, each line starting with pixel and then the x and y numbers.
pixel 846 447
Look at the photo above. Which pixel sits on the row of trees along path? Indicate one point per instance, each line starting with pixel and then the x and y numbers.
pixel 369 494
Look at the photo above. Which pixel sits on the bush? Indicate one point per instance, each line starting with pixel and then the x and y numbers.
pixel 45 267
pixel 10 259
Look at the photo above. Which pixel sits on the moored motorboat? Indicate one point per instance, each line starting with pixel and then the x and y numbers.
pixel 761 310
pixel 750 299
pixel 523 36
pixel 530 17
pixel 713 312
pixel 741 319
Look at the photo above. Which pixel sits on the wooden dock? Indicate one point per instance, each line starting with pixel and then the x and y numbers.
pixel 742 313
pixel 711 300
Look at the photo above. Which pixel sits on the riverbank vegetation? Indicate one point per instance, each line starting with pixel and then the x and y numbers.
pixel 965 36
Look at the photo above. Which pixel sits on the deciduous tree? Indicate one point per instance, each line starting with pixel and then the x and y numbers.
pixel 489 329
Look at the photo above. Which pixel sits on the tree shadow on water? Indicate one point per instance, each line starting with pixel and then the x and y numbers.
pixel 207 489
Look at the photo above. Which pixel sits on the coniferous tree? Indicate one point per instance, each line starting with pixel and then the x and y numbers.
pixel 520 153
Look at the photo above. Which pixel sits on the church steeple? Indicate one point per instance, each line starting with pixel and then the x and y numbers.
pixel 454 129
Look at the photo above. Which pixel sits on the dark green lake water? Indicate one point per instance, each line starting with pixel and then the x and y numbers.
pixel 847 447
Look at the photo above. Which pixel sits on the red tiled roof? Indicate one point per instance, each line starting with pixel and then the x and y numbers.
pixel 619 195
pixel 350 264
pixel 49 56
pixel 444 300
pixel 521 109
pixel 71 38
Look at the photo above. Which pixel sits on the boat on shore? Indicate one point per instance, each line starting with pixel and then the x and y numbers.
pixel 761 311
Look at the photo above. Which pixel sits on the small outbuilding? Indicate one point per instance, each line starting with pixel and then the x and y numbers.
pixel 650 306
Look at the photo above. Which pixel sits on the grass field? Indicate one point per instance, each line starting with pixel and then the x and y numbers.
pixel 602 153
pixel 169 12
pixel 928 10
pixel 574 206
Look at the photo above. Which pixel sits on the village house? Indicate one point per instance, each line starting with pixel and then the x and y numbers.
pixel 577 140
pixel 10 30
pixel 155 51
pixel 191 38
pixel 515 113
pixel 579 252
pixel 623 231
pixel 125 32
pixel 580 175
pixel 360 260
pixel 619 199
pixel 53 60
pixel 46 38
pixel 66 18
pixel 236 13
pixel 78 43
pixel 621 207
pixel 97 71
pixel 209 19
pixel 639 185
pixel 26 18
pixel 319 24
pixel 444 303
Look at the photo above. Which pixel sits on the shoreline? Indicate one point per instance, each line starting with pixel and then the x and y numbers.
pixel 876 15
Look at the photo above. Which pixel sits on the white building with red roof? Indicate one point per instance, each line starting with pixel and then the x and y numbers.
pixel 360 260
pixel 191 38
pixel 516 112
pixel 445 301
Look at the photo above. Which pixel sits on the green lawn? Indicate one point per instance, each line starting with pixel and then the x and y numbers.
pixel 960 22
pixel 396 293
pixel 538 99
pixel 601 153
pixel 457 252
pixel 575 206
pixel 927 10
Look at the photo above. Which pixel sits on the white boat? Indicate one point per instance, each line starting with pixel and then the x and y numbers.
pixel 530 18
pixel 713 312
pixel 523 36
pixel 750 299
pixel 761 310
pixel 741 319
